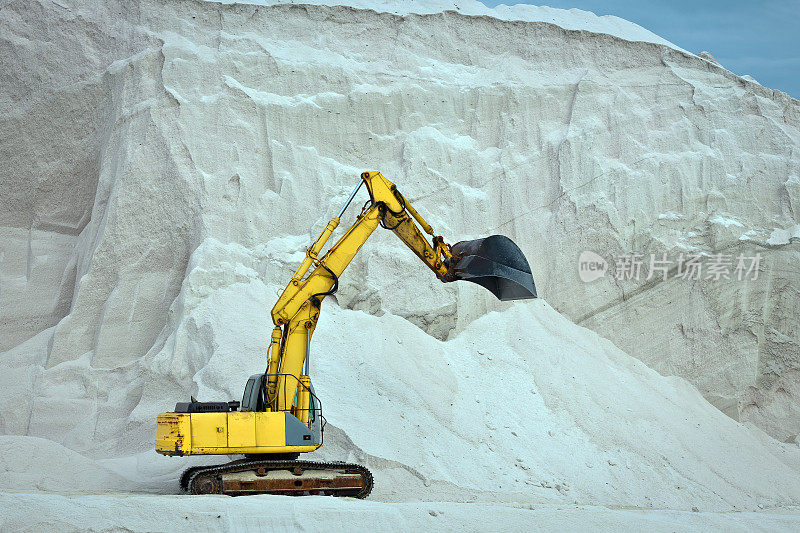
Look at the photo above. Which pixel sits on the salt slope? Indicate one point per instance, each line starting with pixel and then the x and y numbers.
pixel 522 407
pixel 22 467
pixel 526 401
pixel 135 131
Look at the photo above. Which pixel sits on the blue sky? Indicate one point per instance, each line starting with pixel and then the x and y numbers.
pixel 755 38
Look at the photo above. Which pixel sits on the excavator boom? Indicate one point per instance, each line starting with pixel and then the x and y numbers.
pixel 494 262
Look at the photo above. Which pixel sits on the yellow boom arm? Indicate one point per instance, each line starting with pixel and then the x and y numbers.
pixel 296 312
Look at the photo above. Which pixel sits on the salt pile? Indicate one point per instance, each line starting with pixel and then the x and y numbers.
pixel 168 163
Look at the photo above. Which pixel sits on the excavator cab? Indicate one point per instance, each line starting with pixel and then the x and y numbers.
pixel 253 397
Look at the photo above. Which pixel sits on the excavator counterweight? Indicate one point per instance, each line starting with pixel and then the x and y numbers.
pixel 280 416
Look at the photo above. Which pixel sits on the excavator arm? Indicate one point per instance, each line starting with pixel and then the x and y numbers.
pixel 494 262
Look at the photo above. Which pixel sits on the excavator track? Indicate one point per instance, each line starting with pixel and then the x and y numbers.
pixel 291 477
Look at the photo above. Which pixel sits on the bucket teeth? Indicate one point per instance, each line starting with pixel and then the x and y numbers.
pixel 495 263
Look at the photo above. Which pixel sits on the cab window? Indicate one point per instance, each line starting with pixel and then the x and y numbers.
pixel 248 390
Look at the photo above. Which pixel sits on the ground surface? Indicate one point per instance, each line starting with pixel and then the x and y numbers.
pixel 131 512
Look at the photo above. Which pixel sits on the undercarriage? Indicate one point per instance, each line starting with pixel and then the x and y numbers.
pixel 286 477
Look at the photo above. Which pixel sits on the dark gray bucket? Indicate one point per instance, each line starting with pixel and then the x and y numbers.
pixel 495 263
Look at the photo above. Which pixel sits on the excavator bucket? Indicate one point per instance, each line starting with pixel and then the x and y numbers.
pixel 496 263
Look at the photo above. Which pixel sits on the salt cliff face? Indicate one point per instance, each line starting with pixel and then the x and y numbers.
pixel 142 139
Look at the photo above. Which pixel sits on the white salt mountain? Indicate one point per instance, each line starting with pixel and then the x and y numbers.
pixel 166 163
pixel 172 123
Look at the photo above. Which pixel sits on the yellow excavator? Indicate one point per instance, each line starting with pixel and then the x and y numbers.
pixel 280 416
